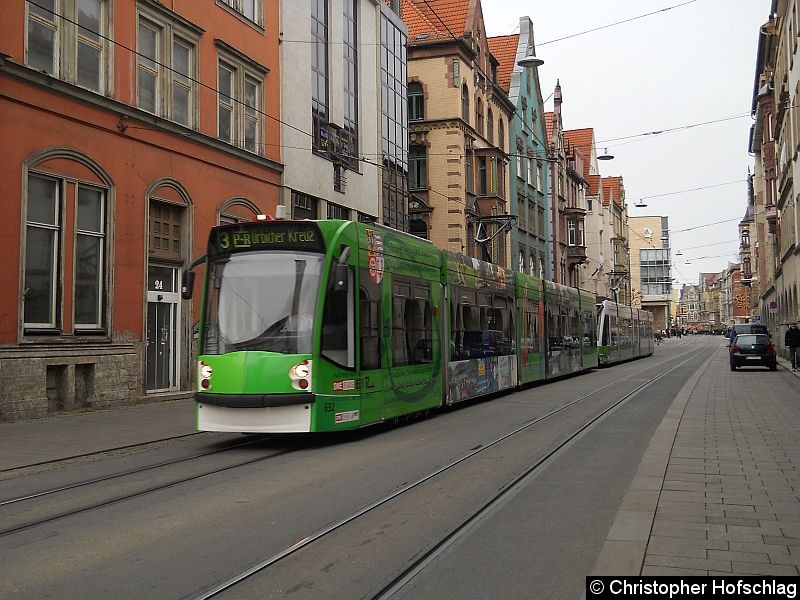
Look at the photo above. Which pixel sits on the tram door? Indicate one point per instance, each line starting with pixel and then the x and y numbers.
pixel 163 317
pixel 371 344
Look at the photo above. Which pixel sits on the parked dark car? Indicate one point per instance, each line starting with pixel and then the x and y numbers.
pixel 751 349
pixel 741 328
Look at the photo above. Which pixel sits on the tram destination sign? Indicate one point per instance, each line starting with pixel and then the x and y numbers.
pixel 292 236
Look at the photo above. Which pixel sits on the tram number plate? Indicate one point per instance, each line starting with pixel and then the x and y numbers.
pixel 330 407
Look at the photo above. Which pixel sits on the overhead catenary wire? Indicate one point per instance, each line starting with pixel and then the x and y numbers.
pixel 309 134
pixel 655 12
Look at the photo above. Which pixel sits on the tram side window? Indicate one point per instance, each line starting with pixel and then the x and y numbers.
pixel 531 333
pixel 412 323
pixel 502 325
pixel 468 326
pixel 554 331
pixel 589 335
pixel 456 328
pixel 337 342
pixel 420 328
pixel 572 334
pixel 370 310
pixel 614 331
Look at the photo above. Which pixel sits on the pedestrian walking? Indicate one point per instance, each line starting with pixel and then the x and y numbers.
pixel 792 342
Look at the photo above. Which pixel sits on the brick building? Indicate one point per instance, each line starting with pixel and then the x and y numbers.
pixel 458 131
pixel 129 128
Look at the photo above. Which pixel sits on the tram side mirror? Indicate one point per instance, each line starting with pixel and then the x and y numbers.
pixel 187 285
pixel 341 272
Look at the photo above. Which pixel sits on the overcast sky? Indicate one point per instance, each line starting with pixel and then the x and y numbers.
pixel 684 66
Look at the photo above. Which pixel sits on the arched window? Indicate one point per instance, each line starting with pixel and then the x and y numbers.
pixel 237 210
pixel 67 197
pixel 501 135
pixel 419 228
pixel 479 116
pixel 490 126
pixel 416 101
pixel 465 102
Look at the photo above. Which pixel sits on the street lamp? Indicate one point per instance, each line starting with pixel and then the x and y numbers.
pixel 530 61
pixel 605 155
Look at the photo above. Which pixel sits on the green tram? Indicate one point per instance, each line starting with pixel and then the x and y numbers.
pixel 311 326
pixel 625 333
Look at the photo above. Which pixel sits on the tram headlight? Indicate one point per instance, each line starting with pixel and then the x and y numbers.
pixel 300 371
pixel 204 373
pixel 300 374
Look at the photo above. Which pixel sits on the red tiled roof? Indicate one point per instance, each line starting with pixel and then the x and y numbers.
pixel 594 185
pixel 551 125
pixel 439 19
pixel 504 49
pixel 612 189
pixel 709 278
pixel 584 140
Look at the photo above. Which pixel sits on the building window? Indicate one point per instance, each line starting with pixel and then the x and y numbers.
pixel 51 204
pixel 416 102
pixel 539 177
pixel 417 168
pixel 465 103
pixel 571 233
pixel 350 44
pixel 167 69
pixel 419 228
pixel 469 175
pixel 90 233
pixel 479 116
pixel 239 105
pixel 319 74
pixel 490 126
pixel 69 40
pixel 483 183
pixel 501 135
pixel 541 223
pixel 394 123
pixel 338 212
pixel 303 206
pixel 250 9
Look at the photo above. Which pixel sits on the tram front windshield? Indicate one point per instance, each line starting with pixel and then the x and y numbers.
pixel 262 301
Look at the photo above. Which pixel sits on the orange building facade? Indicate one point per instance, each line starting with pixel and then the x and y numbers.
pixel 128 129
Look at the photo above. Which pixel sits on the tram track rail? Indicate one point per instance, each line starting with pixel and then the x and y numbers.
pixel 138 493
pixel 64 459
pixel 466 524
pixel 121 474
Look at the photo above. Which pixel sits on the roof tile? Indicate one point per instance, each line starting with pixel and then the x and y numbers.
pixel 504 49
pixel 434 19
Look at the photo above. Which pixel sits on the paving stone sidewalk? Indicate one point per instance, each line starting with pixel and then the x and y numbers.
pixel 718 491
